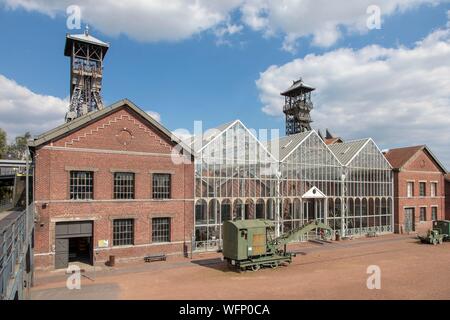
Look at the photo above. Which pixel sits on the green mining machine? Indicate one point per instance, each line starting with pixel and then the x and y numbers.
pixel 439 233
pixel 250 244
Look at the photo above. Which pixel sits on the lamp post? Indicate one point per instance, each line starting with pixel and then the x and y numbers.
pixel 343 177
pixel 278 224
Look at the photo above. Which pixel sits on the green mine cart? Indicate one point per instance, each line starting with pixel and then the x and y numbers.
pixel 250 244
pixel 439 233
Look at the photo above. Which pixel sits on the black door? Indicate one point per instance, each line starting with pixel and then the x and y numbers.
pixel 61 253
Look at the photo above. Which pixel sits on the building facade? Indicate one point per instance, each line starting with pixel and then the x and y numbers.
pixel 419 188
pixel 112 182
pixel 290 180
pixel 447 196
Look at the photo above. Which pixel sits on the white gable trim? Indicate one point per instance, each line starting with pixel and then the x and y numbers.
pixel 314 193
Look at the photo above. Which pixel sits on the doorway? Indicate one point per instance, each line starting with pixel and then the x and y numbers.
pixel 409 220
pixel 73 243
pixel 80 249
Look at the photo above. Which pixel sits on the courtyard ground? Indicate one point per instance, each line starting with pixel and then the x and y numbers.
pixel 409 270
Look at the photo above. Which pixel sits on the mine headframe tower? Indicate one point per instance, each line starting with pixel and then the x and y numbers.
pixel 297 107
pixel 86 73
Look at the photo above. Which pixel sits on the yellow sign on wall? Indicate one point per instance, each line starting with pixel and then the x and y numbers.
pixel 103 243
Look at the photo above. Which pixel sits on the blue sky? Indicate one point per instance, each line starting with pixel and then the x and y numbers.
pixel 196 77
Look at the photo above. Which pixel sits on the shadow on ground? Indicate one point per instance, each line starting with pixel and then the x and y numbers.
pixel 216 264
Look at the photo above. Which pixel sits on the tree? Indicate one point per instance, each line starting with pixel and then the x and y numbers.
pixel 3 144
pixel 18 149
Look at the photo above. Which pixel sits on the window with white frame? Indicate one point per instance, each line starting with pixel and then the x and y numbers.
pixel 422 189
pixel 81 185
pixel 161 186
pixel 123 232
pixel 423 214
pixel 123 185
pixel 434 213
pixel 161 230
pixel 433 189
pixel 410 189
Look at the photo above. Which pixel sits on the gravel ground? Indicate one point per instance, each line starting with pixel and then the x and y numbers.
pixel 409 270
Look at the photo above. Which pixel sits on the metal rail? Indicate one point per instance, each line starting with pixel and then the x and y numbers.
pixel 16 253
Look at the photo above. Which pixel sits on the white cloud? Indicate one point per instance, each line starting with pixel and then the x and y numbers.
pixel 22 110
pixel 398 96
pixel 155 115
pixel 226 30
pixel 141 20
pixel 183 134
pixel 322 19
pixel 174 20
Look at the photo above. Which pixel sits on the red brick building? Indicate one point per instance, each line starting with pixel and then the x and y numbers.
pixel 419 188
pixel 107 184
pixel 447 196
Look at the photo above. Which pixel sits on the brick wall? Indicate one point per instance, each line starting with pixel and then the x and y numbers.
pixel 447 199
pixel 421 168
pixel 104 147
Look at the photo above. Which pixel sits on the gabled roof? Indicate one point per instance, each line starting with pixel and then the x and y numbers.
pixel 296 88
pixel 398 157
pixel 212 133
pixel 333 141
pixel 346 151
pixel 287 144
pixel 207 136
pixel 79 122
pixel 83 37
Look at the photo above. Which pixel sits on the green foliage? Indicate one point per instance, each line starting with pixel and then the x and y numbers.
pixel 16 150
pixel 3 143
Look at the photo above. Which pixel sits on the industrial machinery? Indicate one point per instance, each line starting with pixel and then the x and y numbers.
pixel 439 233
pixel 250 244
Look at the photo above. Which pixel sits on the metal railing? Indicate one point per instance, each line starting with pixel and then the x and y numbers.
pixel 16 231
pixel 6 204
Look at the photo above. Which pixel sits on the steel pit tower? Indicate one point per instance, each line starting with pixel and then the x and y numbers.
pixel 297 107
pixel 86 72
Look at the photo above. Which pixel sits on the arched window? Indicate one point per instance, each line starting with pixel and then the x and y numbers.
pixel 237 209
pixel 331 208
pixel 260 209
pixel 297 209
pixel 351 207
pixel 201 212
pixel 225 210
pixel 249 209
pixel 214 207
pixel 270 209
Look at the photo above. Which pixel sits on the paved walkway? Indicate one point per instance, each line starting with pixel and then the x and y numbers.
pixel 329 271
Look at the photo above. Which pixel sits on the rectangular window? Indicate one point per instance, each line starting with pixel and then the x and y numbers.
pixel 423 214
pixel 123 185
pixel 410 189
pixel 161 230
pixel 422 190
pixel 434 213
pixel 433 189
pixel 161 186
pixel 81 185
pixel 123 232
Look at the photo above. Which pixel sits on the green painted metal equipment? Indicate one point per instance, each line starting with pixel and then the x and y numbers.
pixel 439 233
pixel 250 244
